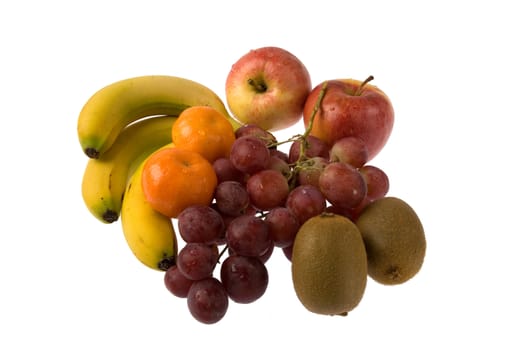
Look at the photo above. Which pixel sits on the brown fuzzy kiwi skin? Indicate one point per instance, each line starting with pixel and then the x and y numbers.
pixel 394 239
pixel 329 266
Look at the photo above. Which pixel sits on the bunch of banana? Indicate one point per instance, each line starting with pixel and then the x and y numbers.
pixel 118 128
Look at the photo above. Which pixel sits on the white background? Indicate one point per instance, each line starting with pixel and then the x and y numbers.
pixel 454 72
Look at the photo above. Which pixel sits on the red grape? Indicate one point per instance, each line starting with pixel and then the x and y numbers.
pixel 305 201
pixel 248 235
pixel 200 224
pixel 267 189
pixel 342 185
pixel 231 198
pixel 283 226
pixel 244 278
pixel 376 181
pixel 176 282
pixel 249 154
pixel 277 163
pixel 207 300
pixel 279 154
pixel 196 261
pixel 225 171
pixel 350 150
pixel 315 147
pixel 255 130
pixel 309 172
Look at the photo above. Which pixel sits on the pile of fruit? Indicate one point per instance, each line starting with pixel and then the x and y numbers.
pixel 168 159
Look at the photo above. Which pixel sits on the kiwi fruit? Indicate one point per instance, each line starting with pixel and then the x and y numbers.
pixel 394 240
pixel 329 265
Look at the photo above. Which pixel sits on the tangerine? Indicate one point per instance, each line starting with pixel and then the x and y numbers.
pixel 174 178
pixel 204 130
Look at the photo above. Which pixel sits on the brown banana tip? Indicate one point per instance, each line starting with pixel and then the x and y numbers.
pixel 110 216
pixel 166 263
pixel 91 152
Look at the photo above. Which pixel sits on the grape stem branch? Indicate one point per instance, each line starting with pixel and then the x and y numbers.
pixel 302 160
pixel 224 249
pixel 317 105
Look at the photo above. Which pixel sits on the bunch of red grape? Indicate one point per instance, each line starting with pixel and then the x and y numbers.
pixel 263 197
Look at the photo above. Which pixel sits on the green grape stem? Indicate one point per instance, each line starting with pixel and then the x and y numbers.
pixel 303 161
pixel 308 129
pixel 317 105
pixel 304 143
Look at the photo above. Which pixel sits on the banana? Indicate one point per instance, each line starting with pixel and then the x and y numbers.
pixel 149 234
pixel 116 105
pixel 105 179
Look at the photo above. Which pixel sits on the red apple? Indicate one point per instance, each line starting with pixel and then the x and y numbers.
pixel 351 108
pixel 268 87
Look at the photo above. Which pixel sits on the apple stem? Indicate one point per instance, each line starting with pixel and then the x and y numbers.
pixel 259 86
pixel 362 86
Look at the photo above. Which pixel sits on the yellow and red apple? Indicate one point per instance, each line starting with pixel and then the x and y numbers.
pixel 351 108
pixel 268 87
